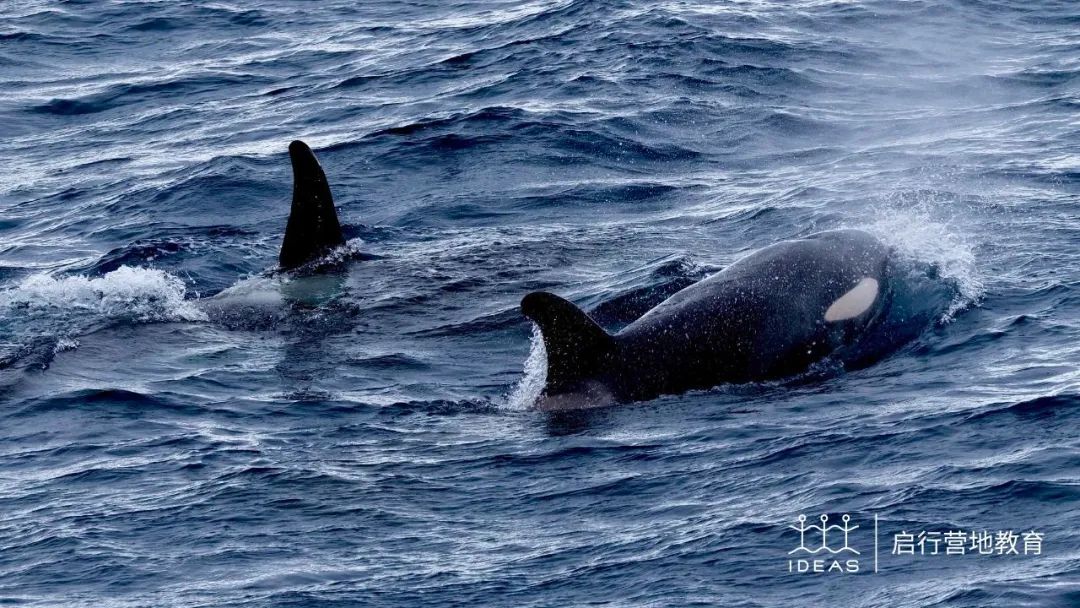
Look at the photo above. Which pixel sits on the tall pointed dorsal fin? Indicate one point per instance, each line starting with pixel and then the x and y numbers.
pixel 313 227
pixel 576 346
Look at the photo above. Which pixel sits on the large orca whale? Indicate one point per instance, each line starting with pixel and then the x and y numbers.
pixel 308 262
pixel 770 315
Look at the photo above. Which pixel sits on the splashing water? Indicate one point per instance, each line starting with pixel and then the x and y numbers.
pixel 136 294
pixel 918 235
pixel 527 391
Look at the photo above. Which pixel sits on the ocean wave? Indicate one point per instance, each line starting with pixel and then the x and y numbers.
pixel 190 87
pixel 1037 408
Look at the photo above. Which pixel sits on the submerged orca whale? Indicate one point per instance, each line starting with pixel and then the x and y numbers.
pixel 770 315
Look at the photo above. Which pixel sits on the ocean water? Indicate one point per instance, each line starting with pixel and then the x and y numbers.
pixel 367 438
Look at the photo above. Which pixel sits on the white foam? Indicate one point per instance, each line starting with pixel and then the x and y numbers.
pixel 65 344
pixel 528 390
pixel 351 248
pixel 915 233
pixel 139 294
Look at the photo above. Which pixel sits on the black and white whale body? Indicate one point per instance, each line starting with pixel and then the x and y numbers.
pixel 769 315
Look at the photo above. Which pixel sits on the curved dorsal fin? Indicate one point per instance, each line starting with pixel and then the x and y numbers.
pixel 576 346
pixel 313 227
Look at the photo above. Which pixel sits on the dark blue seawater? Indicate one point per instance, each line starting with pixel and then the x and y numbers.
pixel 366 438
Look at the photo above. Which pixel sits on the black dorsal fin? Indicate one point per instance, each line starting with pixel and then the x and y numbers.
pixel 576 346
pixel 313 227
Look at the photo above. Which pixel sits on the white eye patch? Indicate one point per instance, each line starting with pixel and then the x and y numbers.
pixel 854 302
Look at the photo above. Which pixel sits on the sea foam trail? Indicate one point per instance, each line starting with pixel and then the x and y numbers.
pixel 132 294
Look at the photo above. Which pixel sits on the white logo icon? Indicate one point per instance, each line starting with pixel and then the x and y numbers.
pixel 825 529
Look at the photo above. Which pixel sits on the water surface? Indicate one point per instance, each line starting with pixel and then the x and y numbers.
pixel 368 440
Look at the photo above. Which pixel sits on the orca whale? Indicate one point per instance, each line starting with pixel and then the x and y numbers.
pixel 311 274
pixel 313 229
pixel 770 315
